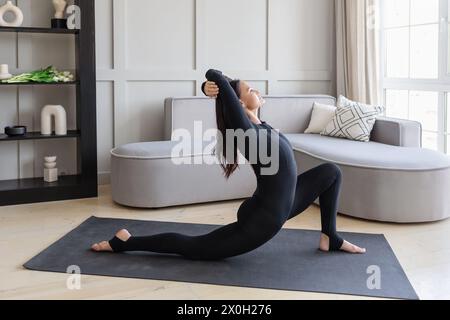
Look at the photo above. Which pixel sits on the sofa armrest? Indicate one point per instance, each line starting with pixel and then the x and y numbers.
pixel 397 132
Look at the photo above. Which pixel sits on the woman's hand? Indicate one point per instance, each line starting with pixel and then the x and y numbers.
pixel 211 89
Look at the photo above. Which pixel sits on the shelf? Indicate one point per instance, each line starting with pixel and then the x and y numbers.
pixel 84 183
pixel 37 183
pixel 38 30
pixel 30 190
pixel 40 83
pixel 39 136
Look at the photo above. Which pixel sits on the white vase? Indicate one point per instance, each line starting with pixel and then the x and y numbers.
pixel 18 15
pixel 59 5
pixel 57 112
pixel 4 72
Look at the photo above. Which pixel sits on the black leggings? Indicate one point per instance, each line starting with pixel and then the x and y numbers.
pixel 252 229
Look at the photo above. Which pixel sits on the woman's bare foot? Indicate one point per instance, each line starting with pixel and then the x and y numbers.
pixel 346 246
pixel 101 246
pixel 123 235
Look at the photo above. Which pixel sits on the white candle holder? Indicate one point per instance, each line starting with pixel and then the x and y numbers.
pixel 50 170
pixel 4 72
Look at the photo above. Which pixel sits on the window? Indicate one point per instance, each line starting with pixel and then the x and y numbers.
pixel 416 66
pixel 448 144
pixel 412 36
pixel 424 108
pixel 448 124
pixel 448 38
pixel 420 106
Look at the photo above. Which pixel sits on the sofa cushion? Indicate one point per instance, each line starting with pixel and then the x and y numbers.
pixel 370 154
pixel 322 114
pixel 291 114
pixel 352 120
pixel 158 150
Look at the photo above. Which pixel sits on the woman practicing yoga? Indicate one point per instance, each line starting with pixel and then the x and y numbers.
pixel 277 198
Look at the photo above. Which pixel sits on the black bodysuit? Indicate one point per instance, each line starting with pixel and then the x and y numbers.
pixel 277 198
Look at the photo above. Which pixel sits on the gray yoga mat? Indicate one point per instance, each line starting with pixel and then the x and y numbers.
pixel 290 261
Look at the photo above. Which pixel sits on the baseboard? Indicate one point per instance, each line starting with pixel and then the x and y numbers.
pixel 104 178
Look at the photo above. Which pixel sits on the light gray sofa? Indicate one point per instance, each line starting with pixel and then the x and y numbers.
pixel 391 178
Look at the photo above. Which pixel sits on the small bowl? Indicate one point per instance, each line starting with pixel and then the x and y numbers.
pixel 16 131
pixel 50 159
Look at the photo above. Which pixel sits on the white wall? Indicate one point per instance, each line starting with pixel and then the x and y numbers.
pixel 148 50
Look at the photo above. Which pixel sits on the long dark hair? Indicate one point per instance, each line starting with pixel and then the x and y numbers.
pixel 228 168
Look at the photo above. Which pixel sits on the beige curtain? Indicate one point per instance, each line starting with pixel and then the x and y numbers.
pixel 357 46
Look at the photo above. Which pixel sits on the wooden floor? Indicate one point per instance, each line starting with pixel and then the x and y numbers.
pixel 422 249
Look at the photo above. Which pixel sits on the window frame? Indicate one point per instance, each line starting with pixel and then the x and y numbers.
pixel 440 85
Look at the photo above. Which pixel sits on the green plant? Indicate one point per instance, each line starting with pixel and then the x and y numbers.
pixel 47 75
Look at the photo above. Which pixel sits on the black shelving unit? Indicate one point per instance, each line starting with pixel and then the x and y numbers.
pixel 84 184
pixel 39 136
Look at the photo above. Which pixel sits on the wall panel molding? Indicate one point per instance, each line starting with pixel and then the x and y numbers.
pixel 124 86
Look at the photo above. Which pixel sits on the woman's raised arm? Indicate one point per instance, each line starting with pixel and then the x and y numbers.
pixel 233 109
pixel 204 84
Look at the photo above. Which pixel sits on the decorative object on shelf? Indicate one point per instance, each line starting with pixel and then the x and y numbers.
pixel 15 131
pixel 59 113
pixel 4 72
pixel 59 22
pixel 73 17
pixel 83 182
pixel 47 75
pixel 18 15
pixel 50 170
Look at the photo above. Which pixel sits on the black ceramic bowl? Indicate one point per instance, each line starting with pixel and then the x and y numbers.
pixel 16 131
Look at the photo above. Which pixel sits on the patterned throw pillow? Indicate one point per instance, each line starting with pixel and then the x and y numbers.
pixel 352 120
